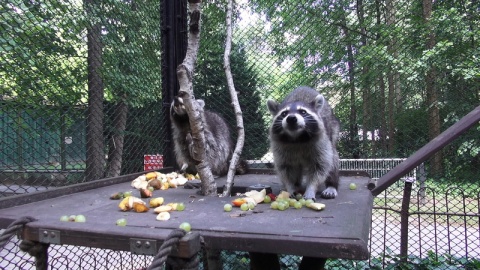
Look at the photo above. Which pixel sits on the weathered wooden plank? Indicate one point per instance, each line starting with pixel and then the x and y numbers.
pixel 339 231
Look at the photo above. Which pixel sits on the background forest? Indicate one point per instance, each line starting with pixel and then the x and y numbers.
pixel 397 72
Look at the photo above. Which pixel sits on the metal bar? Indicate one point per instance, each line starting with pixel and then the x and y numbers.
pixel 428 150
pixel 407 192
pixel 174 40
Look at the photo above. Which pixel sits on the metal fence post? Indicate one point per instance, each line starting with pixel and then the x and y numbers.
pixel 174 48
pixel 404 215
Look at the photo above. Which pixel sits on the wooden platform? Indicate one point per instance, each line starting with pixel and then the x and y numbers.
pixel 341 230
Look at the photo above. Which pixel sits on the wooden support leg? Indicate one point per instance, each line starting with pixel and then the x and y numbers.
pixel 311 263
pixel 262 261
pixel 213 259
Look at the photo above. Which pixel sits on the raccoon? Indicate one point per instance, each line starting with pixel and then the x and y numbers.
pixel 303 138
pixel 218 142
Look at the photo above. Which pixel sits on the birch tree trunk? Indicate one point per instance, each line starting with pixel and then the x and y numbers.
pixel 236 106
pixel 185 73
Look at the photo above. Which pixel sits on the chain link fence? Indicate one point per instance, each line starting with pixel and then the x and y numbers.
pixel 81 99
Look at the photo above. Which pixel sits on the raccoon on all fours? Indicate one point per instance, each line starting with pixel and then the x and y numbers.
pixel 218 143
pixel 303 138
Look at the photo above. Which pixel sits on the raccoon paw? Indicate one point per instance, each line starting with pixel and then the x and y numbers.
pixel 329 193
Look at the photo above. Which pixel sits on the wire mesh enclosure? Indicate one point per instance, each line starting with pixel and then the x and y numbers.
pixel 86 87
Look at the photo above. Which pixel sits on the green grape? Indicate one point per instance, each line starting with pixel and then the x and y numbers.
pixel 227 207
pixel 308 202
pixel 282 206
pixel 267 199
pixel 185 226
pixel 121 222
pixel 251 205
pixel 180 207
pixel 274 205
pixel 302 201
pixel 291 202
pixel 64 218
pixel 80 218
pixel 297 205
pixel 352 186
pixel 244 207
pixel 298 196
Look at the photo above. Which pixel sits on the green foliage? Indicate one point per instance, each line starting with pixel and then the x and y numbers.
pixel 210 83
pixel 431 262
pixel 41 52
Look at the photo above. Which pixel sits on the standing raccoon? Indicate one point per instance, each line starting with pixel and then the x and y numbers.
pixel 303 138
pixel 218 143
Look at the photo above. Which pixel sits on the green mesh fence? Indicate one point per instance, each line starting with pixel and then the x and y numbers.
pixel 81 99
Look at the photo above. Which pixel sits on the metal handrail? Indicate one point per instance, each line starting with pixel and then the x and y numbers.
pixel 427 151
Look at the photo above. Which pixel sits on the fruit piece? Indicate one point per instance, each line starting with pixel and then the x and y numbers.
pixel 227 207
pixel 185 226
pixel 267 199
pixel 121 222
pixel 127 203
pixel 282 206
pixel 251 206
pixel 165 186
pixel 117 196
pixel 173 205
pixel 291 202
pixel 151 175
pixel 163 216
pixel 283 195
pixel 156 202
pixel 316 206
pixel 298 196
pixel 352 186
pixel 140 207
pixel 244 206
pixel 145 193
pixel 272 196
pixel 127 194
pixel 80 218
pixel 172 182
pixel 71 218
pixel 274 205
pixel 238 202
pixel 297 205
pixel 123 205
pixel 64 218
pixel 140 182
pixel 163 208
pixel 258 196
pixel 189 176
pixel 155 183
pixel 180 207
pixel 308 202
pixel 181 180
pixel 302 201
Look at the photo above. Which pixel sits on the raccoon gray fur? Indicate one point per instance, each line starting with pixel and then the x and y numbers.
pixel 218 142
pixel 303 138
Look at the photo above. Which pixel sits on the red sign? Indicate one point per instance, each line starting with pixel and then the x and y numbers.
pixel 152 162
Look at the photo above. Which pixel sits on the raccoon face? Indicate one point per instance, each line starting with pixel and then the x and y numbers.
pixel 296 122
pixel 177 108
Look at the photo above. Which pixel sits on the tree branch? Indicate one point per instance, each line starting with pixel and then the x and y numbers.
pixel 185 73
pixel 238 111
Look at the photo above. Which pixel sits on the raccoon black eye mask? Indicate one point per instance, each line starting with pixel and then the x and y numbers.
pixel 303 137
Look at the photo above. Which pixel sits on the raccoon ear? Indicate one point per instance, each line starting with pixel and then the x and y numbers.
pixel 272 106
pixel 319 102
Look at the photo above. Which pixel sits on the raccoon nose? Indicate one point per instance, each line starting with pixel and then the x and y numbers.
pixel 291 119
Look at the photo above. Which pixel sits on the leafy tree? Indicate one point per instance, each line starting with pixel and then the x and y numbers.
pixel 210 82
